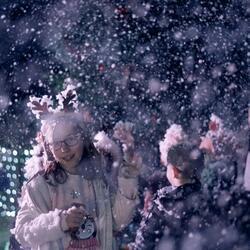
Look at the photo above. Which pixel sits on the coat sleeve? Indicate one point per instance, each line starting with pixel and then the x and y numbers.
pixel 36 223
pixel 125 201
pixel 126 197
pixel 150 231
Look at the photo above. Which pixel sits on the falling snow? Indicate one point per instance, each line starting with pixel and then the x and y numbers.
pixel 151 63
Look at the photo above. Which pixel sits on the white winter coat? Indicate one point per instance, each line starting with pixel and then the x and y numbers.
pixel 38 220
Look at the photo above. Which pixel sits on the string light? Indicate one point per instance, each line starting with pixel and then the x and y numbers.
pixel 12 161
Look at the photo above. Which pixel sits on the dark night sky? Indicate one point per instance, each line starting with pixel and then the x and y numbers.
pixel 150 62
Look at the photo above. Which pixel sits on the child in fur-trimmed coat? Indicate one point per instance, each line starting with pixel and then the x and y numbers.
pixel 174 212
pixel 78 200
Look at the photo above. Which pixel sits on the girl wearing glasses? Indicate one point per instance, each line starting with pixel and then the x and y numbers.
pixel 81 198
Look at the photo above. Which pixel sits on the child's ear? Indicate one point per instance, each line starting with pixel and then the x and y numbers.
pixel 176 172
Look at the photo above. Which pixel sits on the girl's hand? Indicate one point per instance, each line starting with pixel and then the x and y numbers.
pixel 132 160
pixel 131 168
pixel 207 145
pixel 107 146
pixel 74 217
pixel 123 133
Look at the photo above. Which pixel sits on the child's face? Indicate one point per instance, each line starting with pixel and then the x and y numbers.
pixel 170 174
pixel 66 145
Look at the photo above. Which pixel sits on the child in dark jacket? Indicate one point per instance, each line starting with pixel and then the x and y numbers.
pixel 174 214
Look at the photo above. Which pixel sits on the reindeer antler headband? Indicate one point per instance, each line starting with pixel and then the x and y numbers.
pixel 43 107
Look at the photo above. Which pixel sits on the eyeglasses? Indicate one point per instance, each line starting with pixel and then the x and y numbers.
pixel 70 141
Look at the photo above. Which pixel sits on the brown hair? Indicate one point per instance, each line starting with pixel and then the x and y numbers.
pixel 187 158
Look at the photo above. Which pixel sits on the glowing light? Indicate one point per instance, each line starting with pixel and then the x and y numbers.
pixel 11 213
pixel 26 152
pixel 10 158
pixel 8 161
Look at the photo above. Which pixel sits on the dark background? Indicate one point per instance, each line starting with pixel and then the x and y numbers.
pixel 150 62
